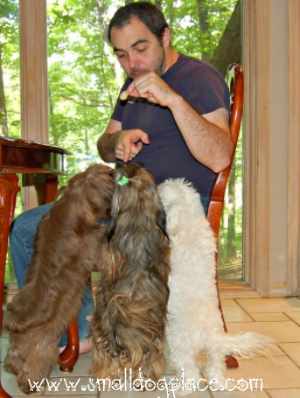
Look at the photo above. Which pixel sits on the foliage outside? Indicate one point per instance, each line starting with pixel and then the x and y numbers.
pixel 84 79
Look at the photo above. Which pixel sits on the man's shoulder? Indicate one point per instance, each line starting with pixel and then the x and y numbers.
pixel 199 66
pixel 202 85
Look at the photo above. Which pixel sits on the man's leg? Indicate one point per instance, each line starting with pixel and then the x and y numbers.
pixel 22 236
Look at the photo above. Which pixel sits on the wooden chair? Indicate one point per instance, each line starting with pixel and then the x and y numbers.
pixel 216 204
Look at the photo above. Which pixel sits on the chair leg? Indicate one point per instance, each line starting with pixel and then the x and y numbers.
pixel 8 192
pixel 230 360
pixel 69 356
pixel 3 393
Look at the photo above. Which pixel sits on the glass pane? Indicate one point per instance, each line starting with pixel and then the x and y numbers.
pixel 230 266
pixel 83 78
pixel 9 69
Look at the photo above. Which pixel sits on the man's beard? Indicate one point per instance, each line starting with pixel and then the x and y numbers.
pixel 159 69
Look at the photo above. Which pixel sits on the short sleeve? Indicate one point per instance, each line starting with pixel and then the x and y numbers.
pixel 206 91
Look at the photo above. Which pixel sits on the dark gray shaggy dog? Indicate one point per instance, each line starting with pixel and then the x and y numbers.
pixel 68 247
pixel 131 302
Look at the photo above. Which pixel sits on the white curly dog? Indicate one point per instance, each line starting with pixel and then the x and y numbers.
pixel 194 322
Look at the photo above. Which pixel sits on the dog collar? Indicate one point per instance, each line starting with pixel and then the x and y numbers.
pixel 122 180
pixel 104 221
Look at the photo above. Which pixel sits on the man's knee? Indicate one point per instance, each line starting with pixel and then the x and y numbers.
pixel 17 229
pixel 25 225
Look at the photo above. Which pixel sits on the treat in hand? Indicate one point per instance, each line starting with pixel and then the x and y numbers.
pixel 124 95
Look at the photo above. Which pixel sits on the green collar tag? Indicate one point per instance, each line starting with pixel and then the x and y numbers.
pixel 122 180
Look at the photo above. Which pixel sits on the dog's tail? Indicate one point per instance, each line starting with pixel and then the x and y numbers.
pixel 246 345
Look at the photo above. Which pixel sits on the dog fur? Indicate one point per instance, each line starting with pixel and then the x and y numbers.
pixel 194 322
pixel 128 326
pixel 68 246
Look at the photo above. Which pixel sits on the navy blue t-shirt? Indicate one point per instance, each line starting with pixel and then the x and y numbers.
pixel 167 155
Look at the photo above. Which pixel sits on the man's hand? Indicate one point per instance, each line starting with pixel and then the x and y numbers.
pixel 130 144
pixel 151 87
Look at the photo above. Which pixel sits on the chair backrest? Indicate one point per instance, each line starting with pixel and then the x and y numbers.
pixel 216 204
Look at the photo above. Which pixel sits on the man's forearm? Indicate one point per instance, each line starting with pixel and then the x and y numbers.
pixel 209 144
pixel 106 146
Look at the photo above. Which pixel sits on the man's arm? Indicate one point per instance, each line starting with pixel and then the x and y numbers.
pixel 107 142
pixel 121 144
pixel 207 136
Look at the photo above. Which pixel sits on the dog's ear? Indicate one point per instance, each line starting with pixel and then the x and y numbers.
pixel 161 220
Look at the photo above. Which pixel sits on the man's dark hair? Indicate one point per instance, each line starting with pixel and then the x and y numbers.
pixel 146 12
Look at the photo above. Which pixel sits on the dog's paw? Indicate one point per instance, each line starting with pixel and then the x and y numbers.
pixel 27 384
pixel 217 382
pixel 106 345
pixel 13 362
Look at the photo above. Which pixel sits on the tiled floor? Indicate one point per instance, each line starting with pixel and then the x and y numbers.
pixel 279 373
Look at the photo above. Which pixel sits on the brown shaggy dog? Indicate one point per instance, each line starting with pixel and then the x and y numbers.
pixel 68 247
pixel 128 326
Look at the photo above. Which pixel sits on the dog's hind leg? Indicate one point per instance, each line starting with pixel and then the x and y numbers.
pixel 106 362
pixel 26 311
pixel 19 348
pixel 13 361
pixel 154 364
pixel 38 364
pixel 104 321
pixel 182 354
pixel 215 366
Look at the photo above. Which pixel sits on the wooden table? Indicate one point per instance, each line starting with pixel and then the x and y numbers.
pixel 39 165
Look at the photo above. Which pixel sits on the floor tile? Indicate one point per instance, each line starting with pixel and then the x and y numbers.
pixel 3 347
pixel 275 372
pixel 269 304
pixel 61 395
pixel 233 312
pixel 59 383
pixel 287 393
pixel 293 351
pixel 269 316
pixel 154 394
pixel 280 371
pixel 9 384
pixel 161 389
pixel 281 332
pixel 55 386
pixel 294 315
pixel 240 394
pixel 117 394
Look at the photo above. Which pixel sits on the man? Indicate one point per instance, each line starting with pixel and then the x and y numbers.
pixel 175 122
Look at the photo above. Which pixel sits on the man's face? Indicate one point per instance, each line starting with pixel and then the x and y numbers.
pixel 138 49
